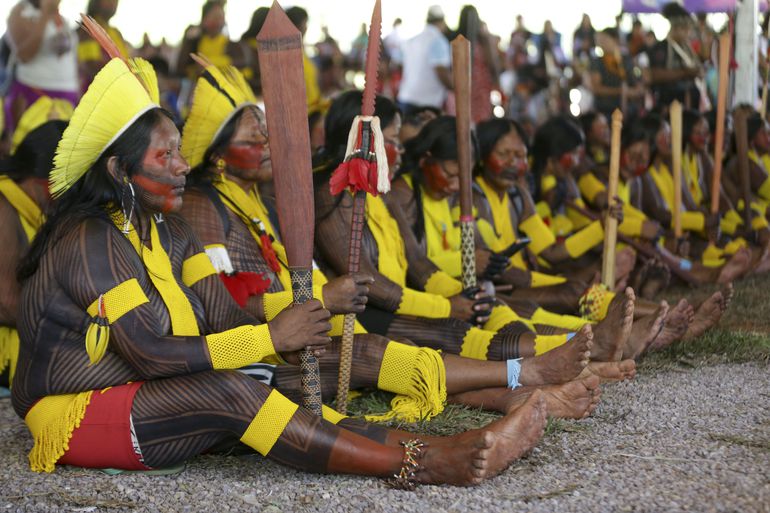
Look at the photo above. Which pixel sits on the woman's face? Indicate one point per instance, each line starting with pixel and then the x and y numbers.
pixel 563 165
pixel 393 146
pixel 247 157
pixel 214 21
pixel 507 162
pixel 635 159
pixel 442 177
pixel 663 141
pixel 699 138
pixel 159 184
pixel 600 131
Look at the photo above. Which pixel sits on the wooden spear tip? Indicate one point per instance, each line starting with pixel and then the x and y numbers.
pixel 460 40
pixel 617 116
pixel 277 24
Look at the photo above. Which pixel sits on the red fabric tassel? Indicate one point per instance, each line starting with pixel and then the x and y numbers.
pixel 269 253
pixel 243 285
pixel 356 174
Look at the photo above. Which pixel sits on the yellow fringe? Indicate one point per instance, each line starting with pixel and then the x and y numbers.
pixel 418 376
pixel 52 421
pixel 9 350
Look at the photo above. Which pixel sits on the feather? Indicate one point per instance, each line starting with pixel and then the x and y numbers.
pixel 100 35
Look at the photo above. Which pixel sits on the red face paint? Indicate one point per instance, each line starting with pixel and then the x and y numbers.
pixel 393 152
pixel 494 165
pixel 434 177
pixel 164 190
pixel 245 156
pixel 699 141
pixel 568 161
pixel 517 169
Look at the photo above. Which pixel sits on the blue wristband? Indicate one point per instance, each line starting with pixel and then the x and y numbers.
pixel 514 370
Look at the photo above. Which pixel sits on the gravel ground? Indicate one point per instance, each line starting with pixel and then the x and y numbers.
pixel 674 440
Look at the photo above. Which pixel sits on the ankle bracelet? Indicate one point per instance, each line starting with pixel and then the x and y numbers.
pixel 405 479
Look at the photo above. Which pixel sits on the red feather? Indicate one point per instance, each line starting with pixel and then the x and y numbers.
pixel 269 253
pixel 100 35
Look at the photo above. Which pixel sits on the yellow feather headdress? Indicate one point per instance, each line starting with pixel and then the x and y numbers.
pixel 121 92
pixel 220 94
pixel 43 110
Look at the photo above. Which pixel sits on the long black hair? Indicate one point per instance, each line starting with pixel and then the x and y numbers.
pixel 651 124
pixel 33 157
pixel 557 136
pixel 690 118
pixel 437 140
pixel 337 123
pixel 97 193
pixel 489 132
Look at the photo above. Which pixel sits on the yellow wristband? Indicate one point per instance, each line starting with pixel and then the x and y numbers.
pixel 476 343
pixel 692 221
pixel 275 302
pixel 540 235
pixel 423 304
pixel 442 284
pixel 590 186
pixel 582 241
pixel 241 346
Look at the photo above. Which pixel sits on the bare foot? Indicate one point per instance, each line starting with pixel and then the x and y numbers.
pixel 611 334
pixel 574 400
pixel 610 371
pixel 706 317
pixel 736 267
pixel 675 325
pixel 644 331
pixel 762 264
pixel 561 364
pixel 727 296
pixel 469 458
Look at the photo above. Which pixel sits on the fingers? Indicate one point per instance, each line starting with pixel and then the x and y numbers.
pixel 362 278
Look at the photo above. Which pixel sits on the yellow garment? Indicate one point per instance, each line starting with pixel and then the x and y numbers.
pixel 271 419
pixel 9 350
pixel 501 217
pixel 590 186
pixel 215 49
pixel 545 280
pixel 691 220
pixel 764 163
pixel 442 284
pixel 312 89
pixel 391 261
pixel 418 376
pixel 423 304
pixel 117 301
pixel 578 219
pixel 691 174
pixel 29 212
pixel 712 256
pixel 579 243
pixel 545 343
pixel 538 232
pixel 89 50
pixel 476 343
pixel 195 268
pixel 44 109
pixel 730 222
pixel 633 218
pixel 442 237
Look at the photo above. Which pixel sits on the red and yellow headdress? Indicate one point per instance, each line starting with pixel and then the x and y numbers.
pixel 121 92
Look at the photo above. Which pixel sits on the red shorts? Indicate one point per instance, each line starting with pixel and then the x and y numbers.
pixel 103 439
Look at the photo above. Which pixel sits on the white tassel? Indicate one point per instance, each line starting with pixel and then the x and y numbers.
pixel 383 172
pixel 352 137
pixel 220 259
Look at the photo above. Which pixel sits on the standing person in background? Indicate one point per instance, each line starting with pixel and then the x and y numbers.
pixel 358 49
pixel 427 60
pixel 44 45
pixel 583 39
pixel 210 40
pixel 614 80
pixel 315 101
pixel 249 44
pixel 485 66
pixel 517 48
pixel 674 67
pixel 90 55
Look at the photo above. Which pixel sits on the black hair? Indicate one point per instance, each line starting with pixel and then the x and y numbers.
pixel 437 140
pixel 587 120
pixel 34 156
pixel 489 132
pixel 257 20
pixel 633 132
pixel 557 136
pixel 96 194
pixel 672 11
pixel 160 65
pixel 209 6
pixel 690 118
pixel 297 15
pixel 611 32
pixel 651 124
pixel 202 173
pixel 754 122
pixel 470 24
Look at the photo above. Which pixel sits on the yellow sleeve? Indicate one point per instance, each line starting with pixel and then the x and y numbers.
pixel 441 284
pixel 540 235
pixel 89 51
pixel 275 302
pixel 241 346
pixel 448 261
pixel 692 221
pixel 423 304
pixel 590 186
pixel 582 241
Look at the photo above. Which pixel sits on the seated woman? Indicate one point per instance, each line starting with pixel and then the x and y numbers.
pixel 128 335
pixel 23 199
pixel 225 140
pixel 410 297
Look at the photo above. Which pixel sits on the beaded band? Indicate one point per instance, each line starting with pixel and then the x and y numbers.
pixel 405 480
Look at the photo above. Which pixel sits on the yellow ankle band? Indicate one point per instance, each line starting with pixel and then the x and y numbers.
pixel 546 280
pixel 544 343
pixel 476 343
pixel 569 322
pixel 270 421
pixel 332 415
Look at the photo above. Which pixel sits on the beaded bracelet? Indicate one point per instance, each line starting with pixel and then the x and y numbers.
pixel 405 480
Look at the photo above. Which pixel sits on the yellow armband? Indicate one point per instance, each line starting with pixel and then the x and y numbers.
pixel 115 303
pixel 547 182
pixel 476 343
pixel 500 316
pixel 590 186
pixel 546 280
pixel 195 268
pixel 582 241
pixel 692 221
pixel 631 226
pixel 440 283
pixel 271 419
pixel 423 304
pixel 540 235
pixel 276 302
pixel 241 346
